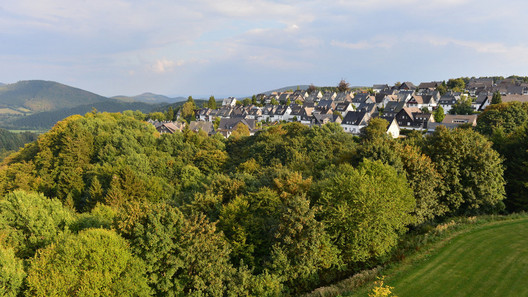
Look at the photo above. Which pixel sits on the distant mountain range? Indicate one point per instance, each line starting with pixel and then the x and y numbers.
pixel 149 98
pixel 46 120
pixel 38 104
pixel 37 96
pixel 293 88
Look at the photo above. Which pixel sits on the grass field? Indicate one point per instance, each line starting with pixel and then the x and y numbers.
pixel 21 131
pixel 9 111
pixel 491 260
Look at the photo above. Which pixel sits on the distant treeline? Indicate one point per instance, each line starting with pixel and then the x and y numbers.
pixel 46 120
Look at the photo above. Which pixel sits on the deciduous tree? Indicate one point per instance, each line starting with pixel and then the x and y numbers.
pixel 31 221
pixel 462 106
pixel 365 209
pixel 184 256
pixel 439 114
pixel 504 116
pixel 472 171
pixel 11 273
pixel 95 262
pixel 343 86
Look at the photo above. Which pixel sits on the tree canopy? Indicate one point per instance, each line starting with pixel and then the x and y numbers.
pixel 94 262
pixel 276 213
pixel 365 208
pixel 472 171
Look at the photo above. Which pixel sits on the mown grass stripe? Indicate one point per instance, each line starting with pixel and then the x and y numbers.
pixel 489 261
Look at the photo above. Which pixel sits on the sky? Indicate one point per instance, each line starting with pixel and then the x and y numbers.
pixel 238 48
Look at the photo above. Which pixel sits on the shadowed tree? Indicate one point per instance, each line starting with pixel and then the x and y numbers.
pixel 343 86
pixel 497 98
pixel 311 89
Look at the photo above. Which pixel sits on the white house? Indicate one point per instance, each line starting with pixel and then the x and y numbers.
pixel 229 102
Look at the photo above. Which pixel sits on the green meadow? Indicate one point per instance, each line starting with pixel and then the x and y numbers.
pixel 490 260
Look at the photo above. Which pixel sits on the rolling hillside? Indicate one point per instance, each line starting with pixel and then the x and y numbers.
pixel 36 96
pixel 301 87
pixel 489 260
pixel 149 98
pixel 46 120
pixel 38 104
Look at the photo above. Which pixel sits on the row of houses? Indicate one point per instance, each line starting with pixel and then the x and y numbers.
pixel 404 106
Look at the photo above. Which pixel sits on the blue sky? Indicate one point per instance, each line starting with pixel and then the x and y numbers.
pixel 236 47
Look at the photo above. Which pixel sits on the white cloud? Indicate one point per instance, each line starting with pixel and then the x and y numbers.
pixel 164 66
pixel 404 4
pixel 376 42
pixel 518 50
pixel 183 39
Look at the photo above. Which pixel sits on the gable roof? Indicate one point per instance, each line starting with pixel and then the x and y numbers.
pixel 230 124
pixel 407 86
pixel 380 87
pixel 207 127
pixel 343 106
pixel 363 98
pixel 367 107
pixel 394 106
pixel 429 85
pixel 281 110
pixel 460 119
pixel 411 111
pixel 321 119
pixel 343 96
pixel 355 118
pixel 424 99
pixel 482 98
pixel 170 127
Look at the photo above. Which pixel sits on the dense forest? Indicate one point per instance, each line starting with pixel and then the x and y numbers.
pixel 104 205
pixel 10 142
pixel 46 120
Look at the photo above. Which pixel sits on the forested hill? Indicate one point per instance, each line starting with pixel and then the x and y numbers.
pixel 13 141
pixel 274 214
pixel 46 120
pixel 149 98
pixel 40 104
pixel 38 95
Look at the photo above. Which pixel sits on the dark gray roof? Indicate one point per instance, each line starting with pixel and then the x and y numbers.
pixel 380 87
pixel 281 110
pixel 229 124
pixel 354 118
pixel 342 106
pixel 367 107
pixel 407 86
pixel 325 103
pixel 482 97
pixel 429 85
pixel 296 110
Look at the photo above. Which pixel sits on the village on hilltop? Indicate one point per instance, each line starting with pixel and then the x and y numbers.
pixel 404 106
